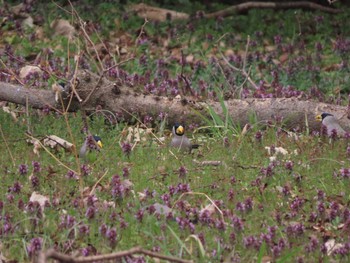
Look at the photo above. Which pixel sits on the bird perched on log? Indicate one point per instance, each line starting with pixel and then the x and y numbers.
pixel 90 147
pixel 331 123
pixel 180 140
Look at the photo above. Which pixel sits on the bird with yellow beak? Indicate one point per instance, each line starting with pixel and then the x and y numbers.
pixel 331 123
pixel 90 147
pixel 180 140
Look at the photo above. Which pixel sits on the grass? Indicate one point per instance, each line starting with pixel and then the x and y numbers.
pixel 155 170
pixel 284 210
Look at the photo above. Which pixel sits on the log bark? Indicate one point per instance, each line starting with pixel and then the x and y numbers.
pixel 161 14
pixel 127 104
pixel 244 7
pixel 36 98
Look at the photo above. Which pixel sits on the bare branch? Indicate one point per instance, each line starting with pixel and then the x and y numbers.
pixel 241 8
pixel 51 253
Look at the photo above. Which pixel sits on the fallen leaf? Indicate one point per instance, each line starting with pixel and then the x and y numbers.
pixel 41 199
pixel 62 27
pixel 26 70
pixel 12 113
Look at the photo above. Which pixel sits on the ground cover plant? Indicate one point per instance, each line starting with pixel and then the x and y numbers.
pixel 252 193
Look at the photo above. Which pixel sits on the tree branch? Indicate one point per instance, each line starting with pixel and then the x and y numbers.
pixel 51 253
pixel 241 8
pixel 130 104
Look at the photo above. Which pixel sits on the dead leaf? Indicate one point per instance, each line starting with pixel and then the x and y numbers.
pixel 58 89
pixel 41 199
pixel 210 208
pixel 331 246
pixel 12 113
pixel 37 147
pixel 266 259
pixel 283 58
pixel 62 27
pixel 28 22
pixel 55 142
pixel 190 59
pixel 26 70
pixel 162 209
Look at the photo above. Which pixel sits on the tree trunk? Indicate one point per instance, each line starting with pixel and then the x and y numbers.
pixel 97 92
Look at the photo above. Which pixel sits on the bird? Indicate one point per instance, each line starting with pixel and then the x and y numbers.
pixel 180 140
pixel 331 123
pixel 90 147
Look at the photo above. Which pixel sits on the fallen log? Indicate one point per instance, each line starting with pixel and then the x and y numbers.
pixel 97 92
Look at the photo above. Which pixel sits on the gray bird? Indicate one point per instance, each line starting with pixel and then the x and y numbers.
pixel 180 141
pixel 331 123
pixel 90 147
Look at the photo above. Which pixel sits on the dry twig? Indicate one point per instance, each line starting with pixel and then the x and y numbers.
pixel 51 253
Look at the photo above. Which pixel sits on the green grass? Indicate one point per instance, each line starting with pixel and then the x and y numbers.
pixel 155 168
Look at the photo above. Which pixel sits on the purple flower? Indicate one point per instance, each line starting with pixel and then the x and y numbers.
pixel 162 115
pixel 34 181
pixel 296 204
pixel 231 195
pixel 90 212
pixel 182 172
pixel 85 251
pixel 126 148
pixel 312 217
pixel 36 167
pixel 220 225
pixel 251 242
pixel 16 188
pixel 233 180
pixel 23 169
pixel 103 229
pixel 112 236
pixel 85 170
pixel 71 175
pixel 296 229
pixel 123 224
pixel 147 120
pixel 237 223
pixel 321 208
pixel 91 200
pixel 248 203
pixel 258 136
pixel 289 165
pixel 84 229
pixel 320 195
pixel 34 246
pixel 126 172
pixel 277 39
pixel 139 215
pixel 345 172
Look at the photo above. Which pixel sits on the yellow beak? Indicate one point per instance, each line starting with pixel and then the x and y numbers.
pixel 99 143
pixel 318 118
pixel 180 130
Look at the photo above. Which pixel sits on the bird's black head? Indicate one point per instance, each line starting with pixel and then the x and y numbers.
pixel 325 114
pixel 179 129
pixel 322 116
pixel 98 140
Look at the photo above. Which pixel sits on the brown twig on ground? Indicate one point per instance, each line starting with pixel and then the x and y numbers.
pixel 208 163
pixel 51 253
pixel 243 7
